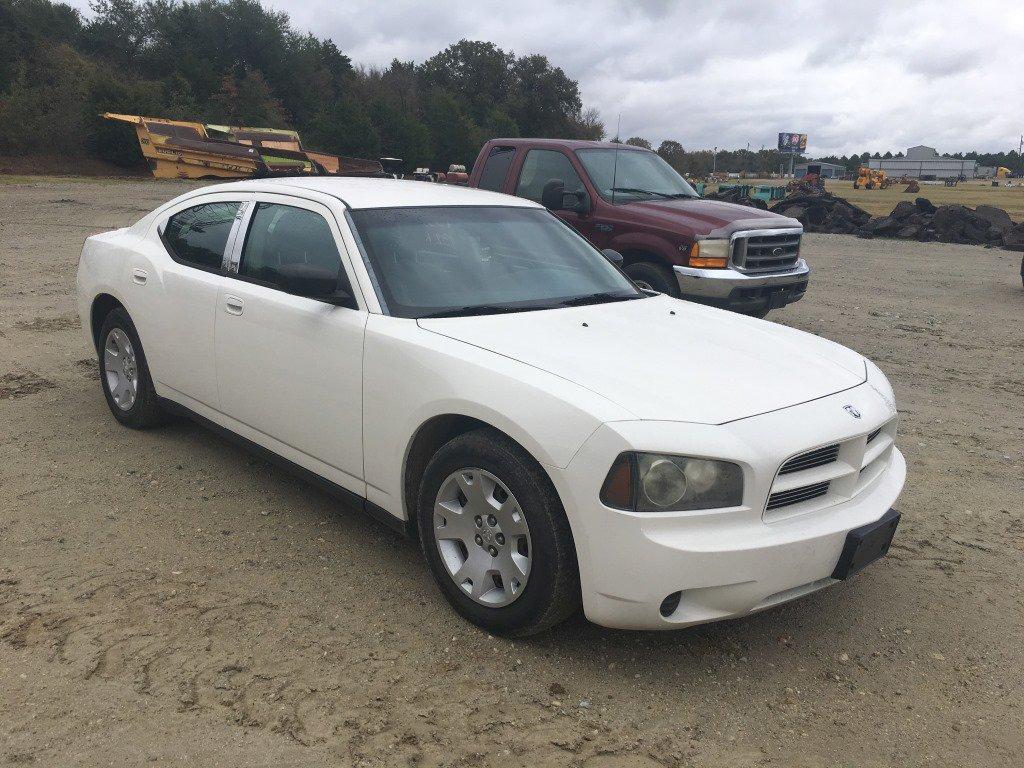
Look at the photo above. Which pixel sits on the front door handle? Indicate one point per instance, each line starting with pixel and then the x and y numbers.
pixel 233 305
pixel 139 276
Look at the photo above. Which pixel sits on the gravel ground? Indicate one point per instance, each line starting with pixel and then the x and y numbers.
pixel 167 598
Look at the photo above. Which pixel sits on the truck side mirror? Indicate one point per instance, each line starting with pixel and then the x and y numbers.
pixel 555 198
pixel 613 256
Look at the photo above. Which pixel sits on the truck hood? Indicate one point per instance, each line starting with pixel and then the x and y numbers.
pixel 713 218
pixel 664 359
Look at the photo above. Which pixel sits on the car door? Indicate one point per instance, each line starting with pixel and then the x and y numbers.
pixel 181 294
pixel 289 367
pixel 541 166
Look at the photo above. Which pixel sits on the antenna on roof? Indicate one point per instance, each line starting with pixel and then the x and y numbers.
pixel 615 164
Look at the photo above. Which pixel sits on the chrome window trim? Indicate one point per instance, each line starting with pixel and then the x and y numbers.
pixel 233 250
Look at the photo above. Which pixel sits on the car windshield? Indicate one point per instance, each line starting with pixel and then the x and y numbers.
pixel 451 261
pixel 628 175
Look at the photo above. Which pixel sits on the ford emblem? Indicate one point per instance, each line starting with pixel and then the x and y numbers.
pixel 852 411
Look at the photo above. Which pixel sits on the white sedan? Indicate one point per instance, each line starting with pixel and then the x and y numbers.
pixel 469 370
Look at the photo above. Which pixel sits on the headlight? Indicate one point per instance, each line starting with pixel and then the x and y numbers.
pixel 709 254
pixel 655 482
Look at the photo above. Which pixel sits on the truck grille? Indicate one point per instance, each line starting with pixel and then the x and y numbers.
pixel 766 251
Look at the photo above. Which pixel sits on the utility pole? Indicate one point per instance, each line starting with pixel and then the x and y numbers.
pixel 714 161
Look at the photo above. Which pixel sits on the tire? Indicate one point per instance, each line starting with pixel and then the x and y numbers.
pixel 118 335
pixel 654 276
pixel 551 592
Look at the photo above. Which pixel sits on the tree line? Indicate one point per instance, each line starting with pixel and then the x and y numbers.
pixel 234 62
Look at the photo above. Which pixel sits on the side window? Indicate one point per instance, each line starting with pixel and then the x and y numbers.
pixel 282 235
pixel 496 168
pixel 542 166
pixel 197 236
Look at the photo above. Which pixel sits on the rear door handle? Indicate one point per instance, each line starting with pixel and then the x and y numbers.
pixel 233 305
pixel 139 276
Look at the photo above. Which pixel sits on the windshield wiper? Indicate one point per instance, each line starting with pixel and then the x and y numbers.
pixel 476 309
pixel 596 298
pixel 637 191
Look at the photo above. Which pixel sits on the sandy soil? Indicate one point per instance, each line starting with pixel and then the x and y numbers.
pixel 166 598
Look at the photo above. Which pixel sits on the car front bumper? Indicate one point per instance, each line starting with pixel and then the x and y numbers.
pixel 723 563
pixel 732 289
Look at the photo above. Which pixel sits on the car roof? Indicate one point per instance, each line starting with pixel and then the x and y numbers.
pixel 361 192
pixel 569 144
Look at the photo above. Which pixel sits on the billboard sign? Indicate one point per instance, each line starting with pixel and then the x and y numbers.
pixel 793 143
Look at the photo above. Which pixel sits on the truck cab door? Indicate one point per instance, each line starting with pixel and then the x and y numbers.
pixel 543 167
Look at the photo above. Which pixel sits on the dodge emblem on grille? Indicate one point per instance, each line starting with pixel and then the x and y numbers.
pixel 852 411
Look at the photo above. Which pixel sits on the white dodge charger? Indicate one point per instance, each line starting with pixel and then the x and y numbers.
pixel 468 369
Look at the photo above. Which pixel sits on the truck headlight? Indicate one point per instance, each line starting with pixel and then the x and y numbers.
pixel 709 254
pixel 656 482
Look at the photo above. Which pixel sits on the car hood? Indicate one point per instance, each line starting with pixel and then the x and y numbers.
pixel 664 359
pixel 713 218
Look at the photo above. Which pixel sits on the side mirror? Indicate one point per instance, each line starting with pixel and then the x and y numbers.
pixel 314 282
pixel 555 198
pixel 613 256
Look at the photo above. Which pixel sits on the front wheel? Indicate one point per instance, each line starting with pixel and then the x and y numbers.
pixel 495 536
pixel 653 277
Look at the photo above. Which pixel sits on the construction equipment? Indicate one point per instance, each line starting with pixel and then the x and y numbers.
pixel 179 149
pixel 1002 172
pixel 871 178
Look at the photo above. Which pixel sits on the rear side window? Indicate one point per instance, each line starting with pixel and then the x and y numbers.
pixel 496 166
pixel 283 234
pixel 197 236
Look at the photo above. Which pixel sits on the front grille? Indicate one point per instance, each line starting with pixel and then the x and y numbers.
pixel 816 458
pixel 797 495
pixel 830 474
pixel 766 252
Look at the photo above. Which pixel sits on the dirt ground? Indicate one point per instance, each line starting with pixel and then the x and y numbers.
pixel 168 599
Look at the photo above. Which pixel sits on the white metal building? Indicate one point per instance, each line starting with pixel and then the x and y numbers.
pixel 924 162
pixel 828 170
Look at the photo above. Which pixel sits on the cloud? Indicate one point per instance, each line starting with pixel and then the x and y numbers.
pixel 873 75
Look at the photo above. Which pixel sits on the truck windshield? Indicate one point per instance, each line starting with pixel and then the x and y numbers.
pixel 452 261
pixel 633 175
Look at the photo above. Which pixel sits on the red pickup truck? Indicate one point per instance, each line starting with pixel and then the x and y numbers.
pixel 630 200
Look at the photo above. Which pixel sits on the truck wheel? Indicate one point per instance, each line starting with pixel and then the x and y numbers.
pixel 495 536
pixel 654 277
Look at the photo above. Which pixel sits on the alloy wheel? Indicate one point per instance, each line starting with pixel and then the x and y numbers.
pixel 121 369
pixel 482 536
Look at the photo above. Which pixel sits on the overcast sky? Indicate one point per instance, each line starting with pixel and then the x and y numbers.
pixel 855 76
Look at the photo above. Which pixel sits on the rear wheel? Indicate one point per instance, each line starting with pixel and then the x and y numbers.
pixel 654 277
pixel 124 374
pixel 495 536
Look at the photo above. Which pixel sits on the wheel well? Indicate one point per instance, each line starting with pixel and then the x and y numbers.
pixel 635 255
pixel 101 307
pixel 427 441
